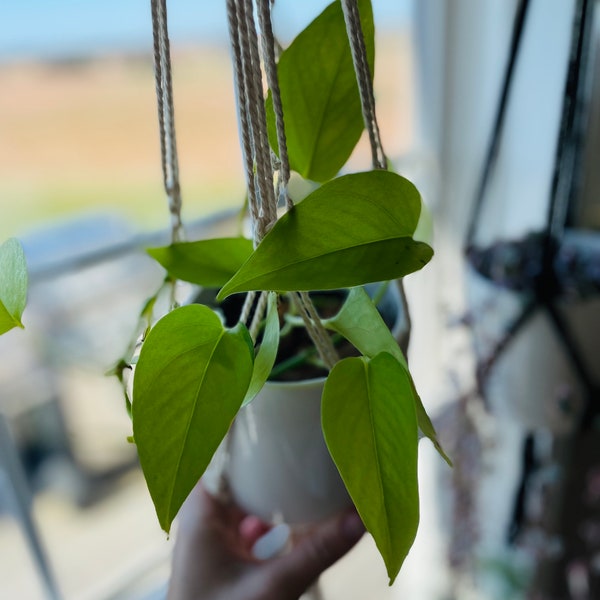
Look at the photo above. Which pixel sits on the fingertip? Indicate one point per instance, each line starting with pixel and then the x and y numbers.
pixel 272 543
pixel 352 526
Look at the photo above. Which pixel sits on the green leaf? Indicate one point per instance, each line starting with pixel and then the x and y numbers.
pixel 13 285
pixel 189 383
pixel 370 427
pixel 426 426
pixel 424 230
pixel 353 230
pixel 319 94
pixel 265 357
pixel 210 263
pixel 361 324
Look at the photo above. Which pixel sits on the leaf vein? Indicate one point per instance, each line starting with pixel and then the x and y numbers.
pixel 377 460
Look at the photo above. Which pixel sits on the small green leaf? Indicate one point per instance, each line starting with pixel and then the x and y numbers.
pixel 361 324
pixel 13 285
pixel 370 427
pixel 267 353
pixel 319 94
pixel 353 230
pixel 210 263
pixel 190 380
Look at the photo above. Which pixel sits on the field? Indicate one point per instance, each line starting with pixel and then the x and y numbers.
pixel 82 135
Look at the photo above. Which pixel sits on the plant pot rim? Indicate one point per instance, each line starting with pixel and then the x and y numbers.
pixel 300 383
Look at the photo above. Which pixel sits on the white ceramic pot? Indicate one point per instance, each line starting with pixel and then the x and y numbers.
pixel 275 459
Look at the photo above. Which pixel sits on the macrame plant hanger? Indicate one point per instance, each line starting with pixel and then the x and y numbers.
pixel 262 168
pixel 259 162
pixel 542 289
pixel 250 57
pixel 267 174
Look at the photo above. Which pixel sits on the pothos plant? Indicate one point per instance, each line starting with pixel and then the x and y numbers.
pixel 194 374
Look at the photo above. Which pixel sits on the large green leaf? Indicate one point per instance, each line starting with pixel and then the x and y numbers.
pixel 190 380
pixel 361 324
pixel 370 427
pixel 353 230
pixel 13 285
pixel 210 263
pixel 319 94
pixel 267 352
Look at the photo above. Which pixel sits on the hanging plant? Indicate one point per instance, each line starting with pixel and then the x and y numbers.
pixel 194 373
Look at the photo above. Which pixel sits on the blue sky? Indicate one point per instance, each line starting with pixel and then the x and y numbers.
pixel 62 28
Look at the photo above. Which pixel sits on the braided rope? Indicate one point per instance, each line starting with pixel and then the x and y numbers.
pixel 166 115
pixel 258 315
pixel 268 48
pixel 317 331
pixel 241 103
pixel 363 78
pixel 257 155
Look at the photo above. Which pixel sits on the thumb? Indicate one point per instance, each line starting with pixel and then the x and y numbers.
pixel 295 571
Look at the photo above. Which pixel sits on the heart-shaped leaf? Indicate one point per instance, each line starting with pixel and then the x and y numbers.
pixel 361 324
pixel 190 380
pixel 13 284
pixel 267 352
pixel 210 263
pixel 370 426
pixel 353 230
pixel 319 94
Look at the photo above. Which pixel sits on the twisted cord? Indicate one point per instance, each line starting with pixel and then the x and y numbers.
pixel 315 329
pixel 367 101
pixel 242 108
pixel 256 101
pixel 255 140
pixel 268 48
pixel 166 115
pixel 250 101
pixel 259 313
pixel 247 307
pixel 248 93
pixel 363 78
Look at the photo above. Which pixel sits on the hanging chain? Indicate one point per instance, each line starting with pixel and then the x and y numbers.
pixel 364 80
pixel 166 115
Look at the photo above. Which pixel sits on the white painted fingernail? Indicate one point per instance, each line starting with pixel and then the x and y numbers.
pixel 272 543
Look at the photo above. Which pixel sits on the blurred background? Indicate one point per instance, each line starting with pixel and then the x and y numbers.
pixel 492 108
pixel 81 187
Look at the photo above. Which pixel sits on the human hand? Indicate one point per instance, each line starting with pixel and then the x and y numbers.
pixel 213 557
